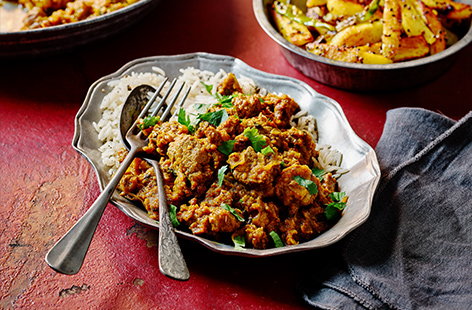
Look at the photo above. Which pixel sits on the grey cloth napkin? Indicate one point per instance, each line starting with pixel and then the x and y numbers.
pixel 415 250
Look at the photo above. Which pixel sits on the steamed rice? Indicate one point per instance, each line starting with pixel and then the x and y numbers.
pixel 108 127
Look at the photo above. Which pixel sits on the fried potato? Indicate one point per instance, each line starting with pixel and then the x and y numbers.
pixel 437 29
pixel 292 31
pixel 360 34
pixel 392 28
pixel 313 3
pixel 460 11
pixel 411 48
pixel 367 54
pixel 413 22
pixel 344 7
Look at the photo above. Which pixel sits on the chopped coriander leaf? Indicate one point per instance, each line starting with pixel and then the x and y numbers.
pixel 337 196
pixel 209 88
pixel 267 150
pixel 214 118
pixel 173 215
pixel 283 165
pixel 331 213
pixel 319 173
pixel 277 241
pixel 149 121
pixel 308 184
pixel 333 210
pixel 225 101
pixel 232 211
pixel 261 100
pixel 257 140
pixel 227 147
pixel 239 242
pixel 221 174
pixel 184 119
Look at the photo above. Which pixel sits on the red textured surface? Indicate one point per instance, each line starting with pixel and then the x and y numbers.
pixel 46 185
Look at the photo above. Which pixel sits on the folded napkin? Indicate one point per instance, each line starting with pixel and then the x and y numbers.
pixel 415 250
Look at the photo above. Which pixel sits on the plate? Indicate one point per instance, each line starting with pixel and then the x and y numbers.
pixel 54 39
pixel 333 128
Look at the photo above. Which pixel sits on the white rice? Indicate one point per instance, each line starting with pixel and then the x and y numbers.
pixel 108 128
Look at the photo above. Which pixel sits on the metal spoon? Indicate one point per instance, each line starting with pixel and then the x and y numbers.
pixel 171 260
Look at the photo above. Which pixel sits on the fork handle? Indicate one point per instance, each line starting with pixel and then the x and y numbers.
pixel 171 260
pixel 67 255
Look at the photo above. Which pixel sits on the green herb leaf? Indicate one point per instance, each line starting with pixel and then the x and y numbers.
pixel 209 88
pixel 232 211
pixel 225 101
pixel 214 118
pixel 173 215
pixel 308 184
pixel 337 196
pixel 149 121
pixel 227 147
pixel 221 174
pixel 267 150
pixel 184 119
pixel 333 210
pixel 319 173
pixel 277 241
pixel 257 140
pixel 239 241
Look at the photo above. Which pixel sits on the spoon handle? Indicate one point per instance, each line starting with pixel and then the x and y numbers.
pixel 67 255
pixel 171 259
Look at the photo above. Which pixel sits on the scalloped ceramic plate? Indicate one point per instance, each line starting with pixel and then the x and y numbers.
pixel 333 129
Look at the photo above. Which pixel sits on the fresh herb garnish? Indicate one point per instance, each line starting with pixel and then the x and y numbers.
pixel 208 87
pixel 184 119
pixel 149 121
pixel 221 174
pixel 239 241
pixel 232 211
pixel 319 173
pixel 308 184
pixel 214 118
pixel 267 150
pixel 277 241
pixel 227 147
pixel 332 210
pixel 173 215
pixel 224 101
pixel 257 140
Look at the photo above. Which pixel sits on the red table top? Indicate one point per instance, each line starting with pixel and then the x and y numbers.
pixel 47 186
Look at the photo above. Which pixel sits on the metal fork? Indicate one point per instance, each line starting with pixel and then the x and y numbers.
pixel 68 254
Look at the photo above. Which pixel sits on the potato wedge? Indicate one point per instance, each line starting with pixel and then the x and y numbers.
pixel 433 22
pixel 437 4
pixel 313 3
pixel 293 32
pixel 364 54
pixel 413 22
pixel 344 7
pixel 374 59
pixel 340 53
pixel 392 29
pixel 360 34
pixel 411 48
pixel 460 11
